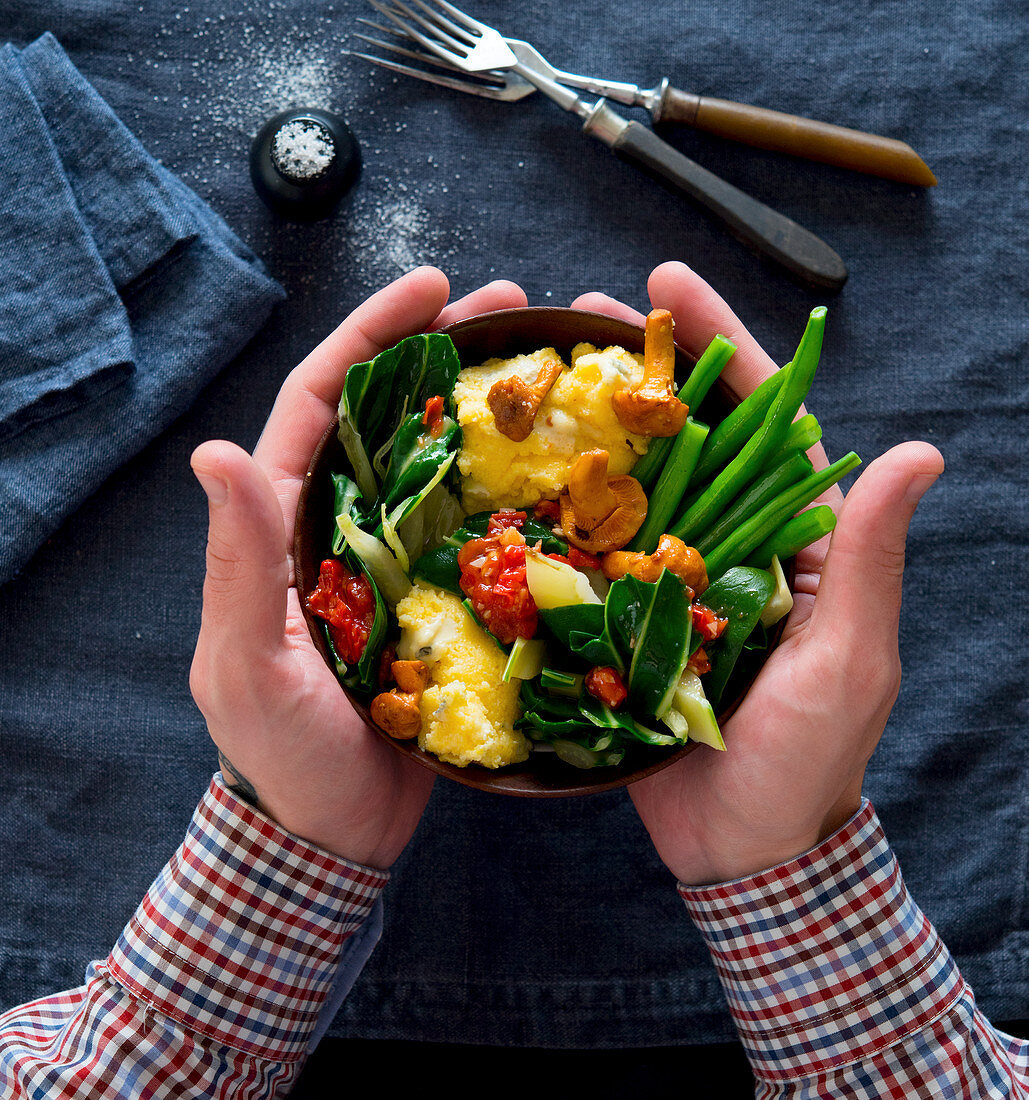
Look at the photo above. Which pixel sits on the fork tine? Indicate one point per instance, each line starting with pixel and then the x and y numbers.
pixel 486 91
pixel 486 51
pixel 380 27
pixel 469 22
pixel 449 24
pixel 433 28
pixel 516 88
pixel 410 32
pixel 414 55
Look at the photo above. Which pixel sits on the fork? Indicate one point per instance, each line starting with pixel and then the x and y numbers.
pixel 476 48
pixel 795 135
pixel 504 85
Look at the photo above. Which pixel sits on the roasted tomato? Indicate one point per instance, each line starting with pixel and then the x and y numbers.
pixel 706 623
pixel 347 603
pixel 606 684
pixel 493 578
pixel 433 418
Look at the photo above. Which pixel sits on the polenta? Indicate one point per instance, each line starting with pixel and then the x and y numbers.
pixel 468 713
pixel 576 416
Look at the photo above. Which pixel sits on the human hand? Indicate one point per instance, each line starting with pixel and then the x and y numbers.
pixel 798 745
pixel 286 733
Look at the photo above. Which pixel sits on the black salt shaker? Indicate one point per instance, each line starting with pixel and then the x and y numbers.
pixel 303 161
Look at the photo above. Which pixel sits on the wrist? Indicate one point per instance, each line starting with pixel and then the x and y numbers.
pixel 363 855
pixel 239 937
pixel 299 821
pixel 825 959
pixel 761 850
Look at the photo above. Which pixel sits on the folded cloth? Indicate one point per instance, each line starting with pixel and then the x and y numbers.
pixel 116 282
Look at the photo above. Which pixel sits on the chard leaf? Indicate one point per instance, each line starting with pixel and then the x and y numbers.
pixel 346 495
pixel 602 715
pixel 376 394
pixel 439 568
pixel 406 512
pixel 350 437
pixel 654 624
pixel 375 558
pixel 442 513
pixel 427 366
pixel 581 629
pixel 417 368
pixel 392 540
pixel 379 458
pixel 368 663
pixel 417 457
pixel 739 595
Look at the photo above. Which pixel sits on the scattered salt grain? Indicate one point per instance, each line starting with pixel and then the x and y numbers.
pixel 270 57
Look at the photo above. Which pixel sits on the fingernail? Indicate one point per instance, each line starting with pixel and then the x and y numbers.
pixel 918 486
pixel 216 489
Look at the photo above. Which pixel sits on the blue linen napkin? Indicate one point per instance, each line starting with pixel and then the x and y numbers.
pixel 121 295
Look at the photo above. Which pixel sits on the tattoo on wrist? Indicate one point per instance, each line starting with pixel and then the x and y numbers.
pixel 236 781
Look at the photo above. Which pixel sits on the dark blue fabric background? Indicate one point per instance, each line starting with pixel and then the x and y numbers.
pixel 552 923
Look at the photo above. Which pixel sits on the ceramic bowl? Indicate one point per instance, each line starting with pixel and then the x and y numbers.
pixel 505 333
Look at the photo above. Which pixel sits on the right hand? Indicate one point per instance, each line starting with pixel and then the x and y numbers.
pixel 282 724
pixel 798 745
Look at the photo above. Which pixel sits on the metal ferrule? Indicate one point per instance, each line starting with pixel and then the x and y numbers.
pixel 604 123
pixel 654 100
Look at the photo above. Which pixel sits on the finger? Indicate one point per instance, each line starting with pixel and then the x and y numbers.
pixel 245 587
pixel 701 315
pixel 860 590
pixel 500 294
pixel 596 302
pixel 307 401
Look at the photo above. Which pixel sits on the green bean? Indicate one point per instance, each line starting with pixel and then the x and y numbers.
pixel 766 440
pixel 674 479
pixel 764 523
pixel 796 533
pixel 708 367
pixel 728 437
pixel 794 467
pixel 802 436
pixel 695 495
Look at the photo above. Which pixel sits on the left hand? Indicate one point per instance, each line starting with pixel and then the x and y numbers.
pixel 285 730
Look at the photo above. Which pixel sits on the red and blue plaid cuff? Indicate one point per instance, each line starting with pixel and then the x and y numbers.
pixel 825 959
pixel 239 937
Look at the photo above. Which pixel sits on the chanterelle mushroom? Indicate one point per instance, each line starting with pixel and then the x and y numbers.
pixel 652 407
pixel 598 512
pixel 398 711
pixel 686 562
pixel 514 403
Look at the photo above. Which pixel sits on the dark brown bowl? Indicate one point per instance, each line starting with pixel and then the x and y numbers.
pixel 502 334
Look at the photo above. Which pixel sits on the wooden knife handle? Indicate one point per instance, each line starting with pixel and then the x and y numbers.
pixel 802 137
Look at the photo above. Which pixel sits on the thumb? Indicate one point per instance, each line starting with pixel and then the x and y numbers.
pixel 247 570
pixel 860 590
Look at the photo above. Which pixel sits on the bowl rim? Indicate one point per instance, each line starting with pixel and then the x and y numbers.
pixel 517 780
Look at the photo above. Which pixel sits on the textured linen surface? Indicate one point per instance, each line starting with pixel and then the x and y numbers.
pixel 552 923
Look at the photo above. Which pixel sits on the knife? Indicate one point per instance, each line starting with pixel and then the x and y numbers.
pixel 795 248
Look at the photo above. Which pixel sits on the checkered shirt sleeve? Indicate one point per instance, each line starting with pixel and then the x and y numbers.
pixel 840 986
pixel 215 986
